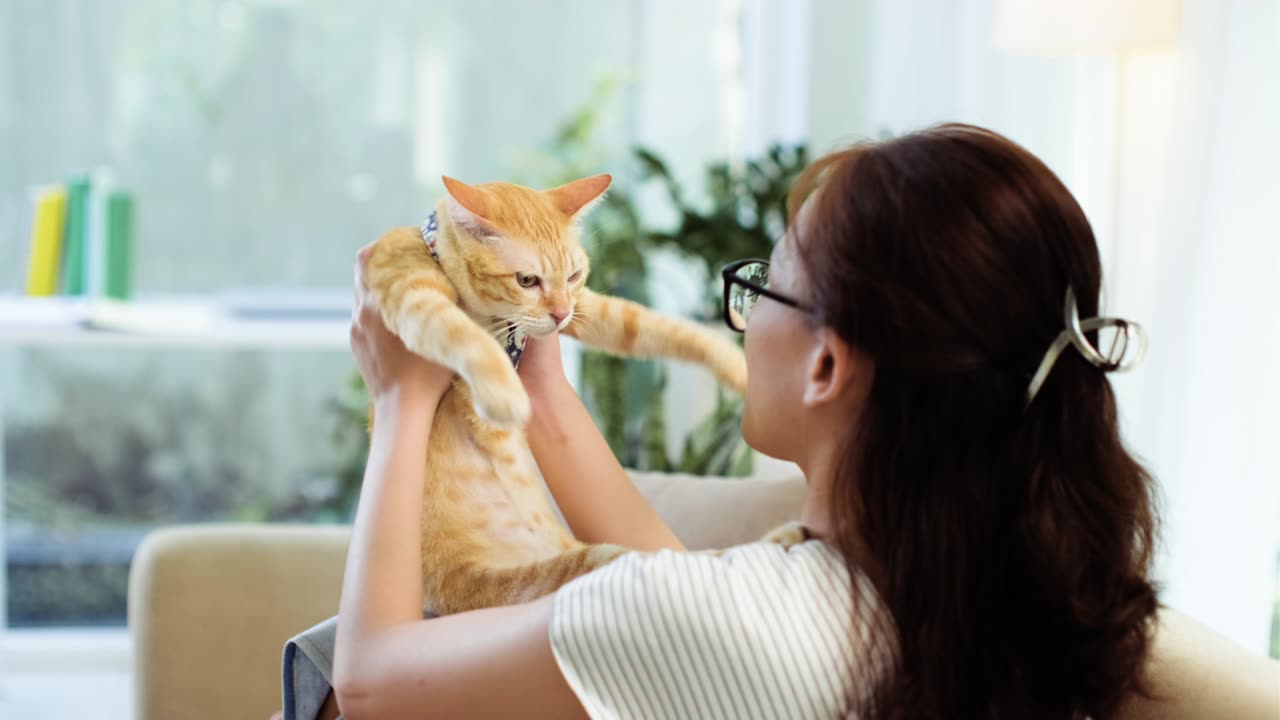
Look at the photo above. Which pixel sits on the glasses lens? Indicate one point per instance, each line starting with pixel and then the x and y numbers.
pixel 742 298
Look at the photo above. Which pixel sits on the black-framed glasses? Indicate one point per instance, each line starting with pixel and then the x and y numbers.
pixel 744 285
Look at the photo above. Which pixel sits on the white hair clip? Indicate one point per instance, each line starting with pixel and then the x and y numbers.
pixel 1113 360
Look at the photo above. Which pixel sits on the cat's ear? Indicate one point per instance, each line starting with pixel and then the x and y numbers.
pixel 468 208
pixel 578 197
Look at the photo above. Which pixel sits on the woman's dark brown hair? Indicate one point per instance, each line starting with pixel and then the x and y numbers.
pixel 1014 542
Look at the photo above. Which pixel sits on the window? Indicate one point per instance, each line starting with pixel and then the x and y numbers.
pixel 264 142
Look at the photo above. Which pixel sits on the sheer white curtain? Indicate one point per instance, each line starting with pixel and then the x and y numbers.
pixel 1191 248
pixel 1206 413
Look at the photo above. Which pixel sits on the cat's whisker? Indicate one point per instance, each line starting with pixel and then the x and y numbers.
pixel 583 322
pixel 517 323
pixel 494 327
pixel 527 322
pixel 498 324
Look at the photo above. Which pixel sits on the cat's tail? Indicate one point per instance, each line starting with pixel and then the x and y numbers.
pixel 624 327
pixel 471 586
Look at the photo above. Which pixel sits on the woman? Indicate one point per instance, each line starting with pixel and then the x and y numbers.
pixel 915 345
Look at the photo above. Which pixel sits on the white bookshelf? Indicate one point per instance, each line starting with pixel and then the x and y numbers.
pixel 306 321
pixel 315 321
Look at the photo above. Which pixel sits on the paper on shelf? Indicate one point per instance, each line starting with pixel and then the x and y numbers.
pixel 169 318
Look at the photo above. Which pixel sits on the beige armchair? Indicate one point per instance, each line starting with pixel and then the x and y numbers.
pixel 211 606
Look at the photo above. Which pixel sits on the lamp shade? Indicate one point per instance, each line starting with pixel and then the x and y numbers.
pixel 1070 26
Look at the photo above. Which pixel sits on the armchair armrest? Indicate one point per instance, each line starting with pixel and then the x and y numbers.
pixel 210 607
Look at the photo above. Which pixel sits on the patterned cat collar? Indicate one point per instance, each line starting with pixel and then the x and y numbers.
pixel 515 337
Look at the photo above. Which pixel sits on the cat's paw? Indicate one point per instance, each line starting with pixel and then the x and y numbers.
pixel 793 533
pixel 736 376
pixel 731 368
pixel 503 404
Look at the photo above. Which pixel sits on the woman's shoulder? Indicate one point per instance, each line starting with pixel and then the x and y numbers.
pixel 806 579
pixel 755 588
pixel 766 564
pixel 807 567
pixel 784 618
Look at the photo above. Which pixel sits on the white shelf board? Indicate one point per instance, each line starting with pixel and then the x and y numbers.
pixel 162 322
pixel 303 335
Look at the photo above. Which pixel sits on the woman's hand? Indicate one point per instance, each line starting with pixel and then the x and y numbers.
pixel 390 370
pixel 541 367
pixel 576 462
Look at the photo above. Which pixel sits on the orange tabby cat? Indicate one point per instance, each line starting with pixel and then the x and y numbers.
pixel 495 262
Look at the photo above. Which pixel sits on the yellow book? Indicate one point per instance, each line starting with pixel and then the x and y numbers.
pixel 46 241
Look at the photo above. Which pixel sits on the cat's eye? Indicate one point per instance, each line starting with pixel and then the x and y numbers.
pixel 574 277
pixel 526 280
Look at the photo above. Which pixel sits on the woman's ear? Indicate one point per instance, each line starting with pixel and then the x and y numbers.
pixel 834 369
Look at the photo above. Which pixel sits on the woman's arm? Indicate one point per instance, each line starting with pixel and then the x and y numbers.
pixel 492 663
pixel 594 494
pixel 382 583
pixel 388 661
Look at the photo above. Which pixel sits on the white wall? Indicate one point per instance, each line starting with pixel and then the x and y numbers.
pixel 1191 248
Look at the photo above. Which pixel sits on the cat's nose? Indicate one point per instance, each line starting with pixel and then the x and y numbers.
pixel 558 317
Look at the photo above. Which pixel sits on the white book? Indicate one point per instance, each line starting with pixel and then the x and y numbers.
pixel 101 185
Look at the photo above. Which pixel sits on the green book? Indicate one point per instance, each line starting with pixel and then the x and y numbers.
pixel 119 245
pixel 77 229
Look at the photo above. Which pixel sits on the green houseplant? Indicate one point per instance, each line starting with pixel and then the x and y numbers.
pixel 744 215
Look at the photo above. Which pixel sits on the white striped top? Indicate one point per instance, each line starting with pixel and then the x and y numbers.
pixel 760 631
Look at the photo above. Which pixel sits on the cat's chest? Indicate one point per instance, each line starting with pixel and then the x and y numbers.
pixel 482 459
pixel 496 496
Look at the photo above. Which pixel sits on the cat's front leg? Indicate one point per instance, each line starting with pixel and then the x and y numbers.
pixel 419 310
pixel 442 332
pixel 628 328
